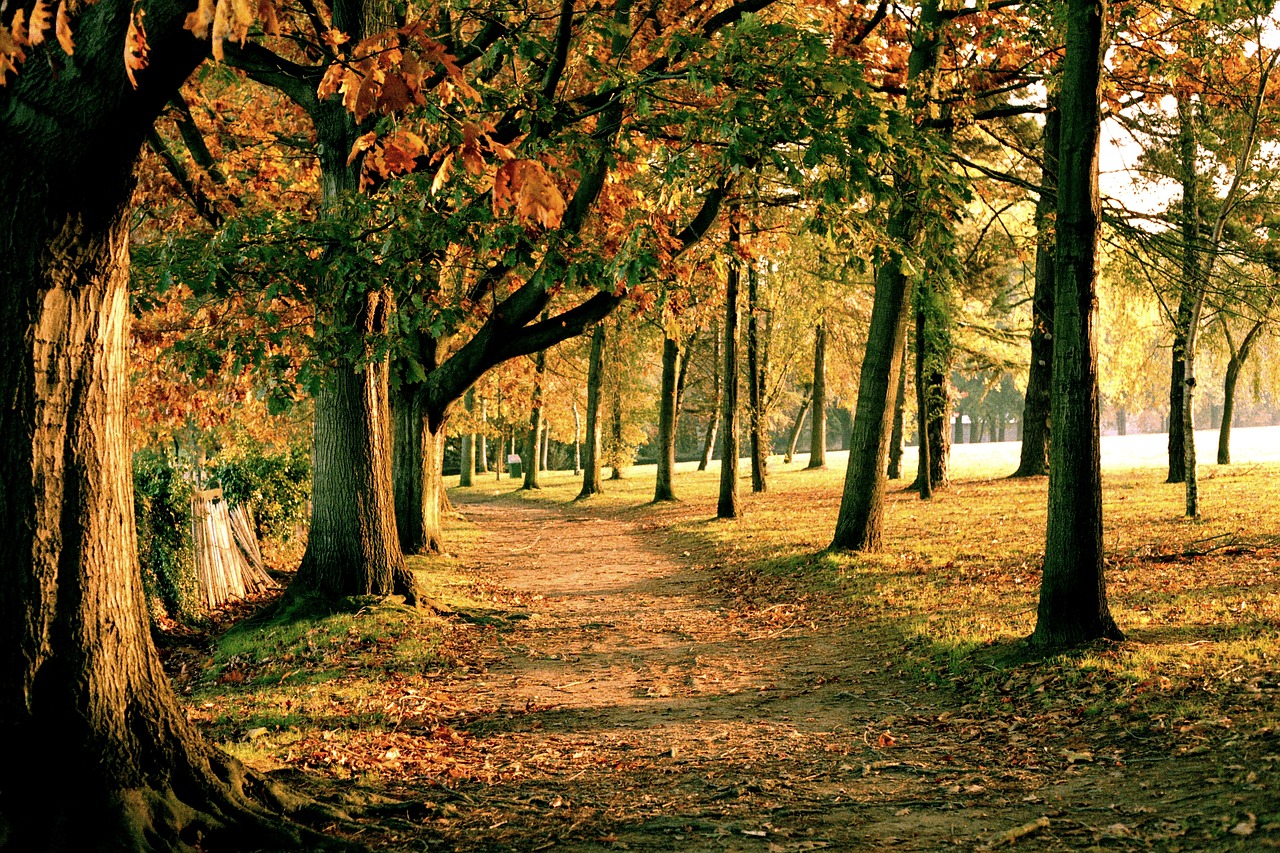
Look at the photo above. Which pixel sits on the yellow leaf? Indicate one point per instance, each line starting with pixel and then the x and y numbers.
pixel 199 20
pixel 442 174
pixel 63 29
pixel 19 27
pixel 362 144
pixel 41 19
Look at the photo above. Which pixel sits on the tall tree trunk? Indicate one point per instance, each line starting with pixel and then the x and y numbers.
pixel 797 426
pixel 1193 291
pixel 717 392
pixel 664 490
pixel 924 468
pixel 1122 420
pixel 1234 366
pixel 482 439
pixel 101 755
pixel 467 459
pixel 577 440
pixel 818 428
pixel 616 439
pixel 1073 597
pixel 898 437
pixel 591 484
pixel 352 547
pixel 756 370
pixel 934 353
pixel 533 446
pixel 729 505
pixel 1036 430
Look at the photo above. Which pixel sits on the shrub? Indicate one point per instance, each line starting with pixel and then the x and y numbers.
pixel 274 486
pixel 162 508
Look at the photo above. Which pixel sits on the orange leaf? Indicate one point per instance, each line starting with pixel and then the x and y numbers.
pixel 135 46
pixel 362 144
pixel 63 29
pixel 20 28
pixel 199 20
pixel 41 20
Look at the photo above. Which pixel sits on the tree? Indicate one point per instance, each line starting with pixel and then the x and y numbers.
pixel 818 428
pixel 668 409
pixel 533 455
pixel 1073 598
pixel 1033 458
pixel 758 330
pixel 729 504
pixel 110 760
pixel 591 483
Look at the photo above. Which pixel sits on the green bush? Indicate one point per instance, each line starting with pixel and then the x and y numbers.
pixel 162 508
pixel 275 486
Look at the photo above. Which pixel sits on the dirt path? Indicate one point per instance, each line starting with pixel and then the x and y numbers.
pixel 627 707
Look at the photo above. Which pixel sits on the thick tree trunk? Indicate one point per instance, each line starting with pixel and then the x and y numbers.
pixel 1073 598
pixel 1036 431
pixel 757 358
pixel 898 436
pixel 101 755
pixel 729 504
pixel 595 379
pixel 533 446
pixel 353 546
pixel 664 490
pixel 717 391
pixel 818 423
pixel 797 426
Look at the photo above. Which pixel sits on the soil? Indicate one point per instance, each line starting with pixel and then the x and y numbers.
pixel 625 703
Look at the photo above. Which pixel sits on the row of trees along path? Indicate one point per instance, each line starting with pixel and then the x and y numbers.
pixel 622 694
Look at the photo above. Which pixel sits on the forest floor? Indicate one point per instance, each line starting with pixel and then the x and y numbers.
pixel 624 677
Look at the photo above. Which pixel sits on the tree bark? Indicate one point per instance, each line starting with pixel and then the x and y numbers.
pixel 1073 598
pixel 664 490
pixel 1036 431
pixel 591 484
pixel 818 428
pixel 729 504
pixel 101 755
pixel 757 357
